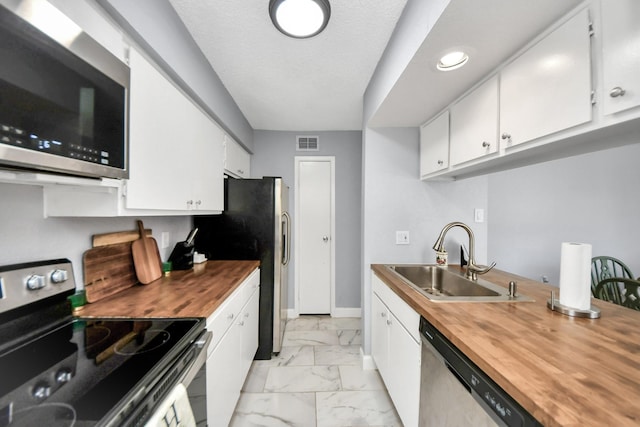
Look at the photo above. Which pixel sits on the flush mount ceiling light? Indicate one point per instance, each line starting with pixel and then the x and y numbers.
pixel 452 61
pixel 300 18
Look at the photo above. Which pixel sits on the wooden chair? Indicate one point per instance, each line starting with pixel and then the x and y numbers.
pixel 606 267
pixel 619 290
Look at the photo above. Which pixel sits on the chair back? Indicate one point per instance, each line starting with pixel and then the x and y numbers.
pixel 621 291
pixel 606 267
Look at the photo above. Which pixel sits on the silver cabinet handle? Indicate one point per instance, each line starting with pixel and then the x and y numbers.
pixel 506 136
pixel 616 92
pixel 440 162
pixel 486 144
pixel 325 239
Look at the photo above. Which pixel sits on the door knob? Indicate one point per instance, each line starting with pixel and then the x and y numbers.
pixel 325 239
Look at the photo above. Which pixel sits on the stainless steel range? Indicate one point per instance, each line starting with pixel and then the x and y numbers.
pixel 57 370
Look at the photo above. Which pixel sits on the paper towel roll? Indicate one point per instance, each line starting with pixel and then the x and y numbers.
pixel 575 275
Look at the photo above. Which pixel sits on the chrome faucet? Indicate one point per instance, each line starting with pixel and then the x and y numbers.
pixel 472 268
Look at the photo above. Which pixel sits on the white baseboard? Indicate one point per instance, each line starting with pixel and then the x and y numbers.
pixel 367 362
pixel 347 312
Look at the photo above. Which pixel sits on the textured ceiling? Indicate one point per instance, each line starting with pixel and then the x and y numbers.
pixel 281 83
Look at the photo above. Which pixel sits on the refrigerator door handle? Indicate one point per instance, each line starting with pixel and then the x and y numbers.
pixel 286 253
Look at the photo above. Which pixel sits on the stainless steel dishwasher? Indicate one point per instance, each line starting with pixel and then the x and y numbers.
pixel 455 392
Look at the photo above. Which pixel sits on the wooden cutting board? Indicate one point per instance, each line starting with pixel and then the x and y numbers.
pixel 108 270
pixel 146 258
pixel 117 237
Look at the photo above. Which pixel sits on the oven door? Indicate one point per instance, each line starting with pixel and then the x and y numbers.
pixel 181 393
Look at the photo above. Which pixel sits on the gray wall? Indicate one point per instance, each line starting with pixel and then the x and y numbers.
pixel 274 156
pixel 592 198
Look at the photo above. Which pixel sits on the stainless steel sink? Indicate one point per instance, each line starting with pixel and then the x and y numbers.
pixel 449 284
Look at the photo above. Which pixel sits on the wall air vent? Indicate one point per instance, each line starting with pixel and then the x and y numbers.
pixel 307 143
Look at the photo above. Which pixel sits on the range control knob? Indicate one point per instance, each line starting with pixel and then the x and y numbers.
pixel 41 391
pixel 35 281
pixel 59 276
pixel 64 375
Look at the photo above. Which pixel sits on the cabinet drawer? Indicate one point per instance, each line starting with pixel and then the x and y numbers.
pixel 220 321
pixel 250 284
pixel 409 319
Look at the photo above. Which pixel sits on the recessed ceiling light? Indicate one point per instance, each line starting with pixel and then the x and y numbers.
pixel 300 18
pixel 452 60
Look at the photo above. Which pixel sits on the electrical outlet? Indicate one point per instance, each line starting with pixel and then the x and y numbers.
pixel 478 215
pixel 164 239
pixel 402 237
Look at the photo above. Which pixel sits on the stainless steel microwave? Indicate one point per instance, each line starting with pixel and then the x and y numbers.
pixel 63 96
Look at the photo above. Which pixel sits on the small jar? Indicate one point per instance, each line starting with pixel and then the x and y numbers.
pixel 442 258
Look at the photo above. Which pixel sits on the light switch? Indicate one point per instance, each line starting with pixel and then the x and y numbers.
pixel 478 215
pixel 165 239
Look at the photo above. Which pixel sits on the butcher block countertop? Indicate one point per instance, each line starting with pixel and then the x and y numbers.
pixel 565 371
pixel 189 293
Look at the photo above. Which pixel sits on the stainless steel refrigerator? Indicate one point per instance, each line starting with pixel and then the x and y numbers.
pixel 255 224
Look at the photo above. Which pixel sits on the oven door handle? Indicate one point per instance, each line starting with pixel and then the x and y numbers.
pixel 198 362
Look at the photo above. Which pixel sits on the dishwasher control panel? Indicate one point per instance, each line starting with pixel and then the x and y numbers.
pixel 495 401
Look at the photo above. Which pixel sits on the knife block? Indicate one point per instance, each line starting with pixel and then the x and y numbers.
pixel 182 256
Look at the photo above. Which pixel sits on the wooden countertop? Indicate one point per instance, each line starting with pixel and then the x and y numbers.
pixel 565 371
pixel 189 293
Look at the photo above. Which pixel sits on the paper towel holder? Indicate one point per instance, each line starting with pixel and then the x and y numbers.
pixel 554 304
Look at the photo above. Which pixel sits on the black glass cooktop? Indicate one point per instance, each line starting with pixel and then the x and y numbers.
pixel 80 372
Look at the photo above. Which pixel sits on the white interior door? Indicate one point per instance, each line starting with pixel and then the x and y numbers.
pixel 315 229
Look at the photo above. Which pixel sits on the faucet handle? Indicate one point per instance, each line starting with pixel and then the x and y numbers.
pixel 480 269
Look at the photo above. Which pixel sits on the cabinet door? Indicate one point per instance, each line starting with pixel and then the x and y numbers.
pixel 474 124
pixel 434 145
pixel 404 357
pixel 237 159
pixel 621 54
pixel 159 142
pixel 249 323
pixel 223 371
pixel 379 335
pixel 548 88
pixel 207 183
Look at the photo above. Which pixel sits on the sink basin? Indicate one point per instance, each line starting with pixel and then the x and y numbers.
pixel 444 284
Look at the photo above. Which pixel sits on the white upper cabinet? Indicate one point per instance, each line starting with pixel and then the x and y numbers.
pixel 474 124
pixel 237 161
pixel 621 54
pixel 548 88
pixel 434 145
pixel 173 146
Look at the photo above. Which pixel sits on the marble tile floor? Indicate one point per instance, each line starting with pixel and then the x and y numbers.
pixel 317 380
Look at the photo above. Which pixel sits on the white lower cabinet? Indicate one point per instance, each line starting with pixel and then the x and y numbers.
pixel 235 340
pixel 396 350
